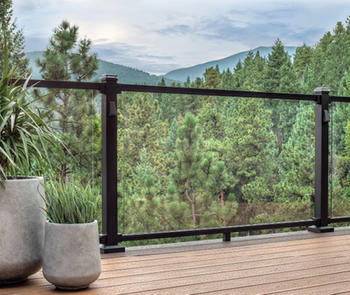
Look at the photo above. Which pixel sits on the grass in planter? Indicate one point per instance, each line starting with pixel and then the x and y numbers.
pixel 71 202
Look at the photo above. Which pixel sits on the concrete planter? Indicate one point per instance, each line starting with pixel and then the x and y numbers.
pixel 21 228
pixel 71 255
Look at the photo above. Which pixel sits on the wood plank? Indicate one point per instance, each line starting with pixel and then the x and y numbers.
pixel 286 251
pixel 278 245
pixel 251 288
pixel 292 267
pixel 328 285
pixel 241 264
pixel 217 281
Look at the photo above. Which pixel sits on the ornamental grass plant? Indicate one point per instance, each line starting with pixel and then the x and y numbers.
pixel 24 128
pixel 71 202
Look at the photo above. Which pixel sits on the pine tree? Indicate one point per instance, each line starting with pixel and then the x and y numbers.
pixel 66 58
pixel 302 59
pixel 238 76
pixel 14 38
pixel 212 78
pixel 249 156
pixel 187 175
pixel 297 159
pixel 172 136
pixel 280 76
pixel 253 72
pixel 227 80
pixel 144 206
pixel 199 178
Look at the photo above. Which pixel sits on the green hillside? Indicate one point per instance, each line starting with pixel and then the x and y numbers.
pixel 224 63
pixel 125 74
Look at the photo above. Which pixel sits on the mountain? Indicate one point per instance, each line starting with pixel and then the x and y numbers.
pixel 224 63
pixel 133 76
pixel 125 74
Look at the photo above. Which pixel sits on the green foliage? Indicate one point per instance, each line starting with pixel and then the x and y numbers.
pixel 302 59
pixel 25 134
pixel 14 40
pixel 212 78
pixel 71 202
pixel 66 58
pixel 297 159
pixel 247 150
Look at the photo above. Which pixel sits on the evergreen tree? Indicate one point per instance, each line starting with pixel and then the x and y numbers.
pixel 189 152
pixel 227 80
pixel 172 136
pixel 247 141
pixel 66 58
pixel 302 59
pixel 14 38
pixel 212 78
pixel 238 76
pixel 280 76
pixel 253 72
pixel 297 159
pixel 145 206
pixel 198 176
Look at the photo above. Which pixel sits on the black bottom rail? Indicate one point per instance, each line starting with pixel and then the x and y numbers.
pixel 339 219
pixel 213 230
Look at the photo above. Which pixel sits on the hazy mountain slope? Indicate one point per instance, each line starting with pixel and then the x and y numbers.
pixel 224 63
pixel 125 74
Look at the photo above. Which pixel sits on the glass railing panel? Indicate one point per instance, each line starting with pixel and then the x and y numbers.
pixel 189 162
pixel 339 160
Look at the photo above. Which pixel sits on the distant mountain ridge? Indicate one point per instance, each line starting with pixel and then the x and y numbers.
pixel 125 74
pixel 133 76
pixel 228 62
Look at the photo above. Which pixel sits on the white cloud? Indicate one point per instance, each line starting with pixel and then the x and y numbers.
pixel 159 35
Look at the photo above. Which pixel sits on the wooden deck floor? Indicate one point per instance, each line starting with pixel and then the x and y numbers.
pixel 312 265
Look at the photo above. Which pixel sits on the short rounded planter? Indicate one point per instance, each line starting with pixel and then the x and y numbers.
pixel 21 228
pixel 72 258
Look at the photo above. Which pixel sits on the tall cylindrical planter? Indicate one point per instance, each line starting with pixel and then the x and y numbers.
pixel 72 258
pixel 21 228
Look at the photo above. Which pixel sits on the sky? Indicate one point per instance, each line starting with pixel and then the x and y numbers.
pixel 158 36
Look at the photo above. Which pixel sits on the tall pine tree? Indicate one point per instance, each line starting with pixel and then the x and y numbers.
pixel 66 58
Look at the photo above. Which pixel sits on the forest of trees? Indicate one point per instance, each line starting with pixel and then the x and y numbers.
pixel 188 161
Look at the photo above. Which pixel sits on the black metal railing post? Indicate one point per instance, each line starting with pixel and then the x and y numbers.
pixel 109 166
pixel 321 161
pixel 226 237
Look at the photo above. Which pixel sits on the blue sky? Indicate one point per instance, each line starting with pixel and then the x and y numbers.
pixel 161 35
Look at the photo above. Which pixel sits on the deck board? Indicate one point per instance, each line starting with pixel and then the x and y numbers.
pixel 317 265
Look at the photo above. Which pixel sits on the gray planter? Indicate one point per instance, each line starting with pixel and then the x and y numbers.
pixel 72 258
pixel 21 228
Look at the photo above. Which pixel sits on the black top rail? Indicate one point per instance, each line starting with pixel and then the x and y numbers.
pixel 177 90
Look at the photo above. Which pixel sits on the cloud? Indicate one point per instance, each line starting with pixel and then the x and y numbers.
pixel 158 35
pixel 176 29
pixel 254 34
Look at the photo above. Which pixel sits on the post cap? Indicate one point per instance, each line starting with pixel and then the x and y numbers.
pixel 109 77
pixel 320 90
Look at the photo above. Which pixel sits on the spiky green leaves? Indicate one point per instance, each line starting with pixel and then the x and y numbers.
pixel 24 132
pixel 71 202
